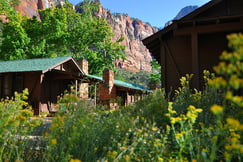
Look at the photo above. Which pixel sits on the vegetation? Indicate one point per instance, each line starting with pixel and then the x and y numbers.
pixel 142 77
pixel 16 125
pixel 194 126
pixel 7 8
pixel 155 75
pixel 132 77
pixel 61 31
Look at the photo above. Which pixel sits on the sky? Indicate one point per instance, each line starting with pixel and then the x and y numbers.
pixel 154 12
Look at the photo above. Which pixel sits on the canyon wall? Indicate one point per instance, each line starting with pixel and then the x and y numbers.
pixel 133 31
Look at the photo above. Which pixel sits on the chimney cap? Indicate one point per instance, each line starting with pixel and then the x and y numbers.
pixel 81 59
pixel 106 69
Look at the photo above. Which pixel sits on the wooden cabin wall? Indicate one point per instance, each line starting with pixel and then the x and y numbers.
pixel 176 58
pixel 17 82
pixel 10 83
pixel 32 81
pixel 51 89
pixel 1 77
pixel 210 48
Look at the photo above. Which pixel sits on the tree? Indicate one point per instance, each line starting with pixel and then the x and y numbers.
pixel 155 75
pixel 7 8
pixel 63 31
pixel 13 34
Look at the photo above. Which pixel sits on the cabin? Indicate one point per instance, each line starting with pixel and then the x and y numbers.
pixel 195 42
pixel 45 78
pixel 109 90
pixel 48 78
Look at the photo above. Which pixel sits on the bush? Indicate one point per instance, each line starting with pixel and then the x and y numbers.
pixel 16 125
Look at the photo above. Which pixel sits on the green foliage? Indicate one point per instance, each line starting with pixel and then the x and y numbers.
pixel 231 68
pixel 62 31
pixel 14 41
pixel 155 75
pixel 15 127
pixel 184 97
pixel 7 9
pixel 155 102
pixel 140 77
pixel 110 135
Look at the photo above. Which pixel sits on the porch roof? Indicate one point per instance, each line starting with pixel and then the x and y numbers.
pixel 38 64
pixel 123 84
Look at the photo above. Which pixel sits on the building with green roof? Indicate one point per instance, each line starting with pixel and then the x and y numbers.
pixel 110 89
pixel 48 78
pixel 45 78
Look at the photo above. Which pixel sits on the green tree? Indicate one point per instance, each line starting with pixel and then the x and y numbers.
pixel 7 8
pixel 155 75
pixel 63 31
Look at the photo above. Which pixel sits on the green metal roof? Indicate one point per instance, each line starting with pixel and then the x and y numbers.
pixel 39 64
pixel 123 84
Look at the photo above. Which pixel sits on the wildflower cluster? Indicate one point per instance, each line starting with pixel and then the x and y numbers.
pixel 231 67
pixel 15 125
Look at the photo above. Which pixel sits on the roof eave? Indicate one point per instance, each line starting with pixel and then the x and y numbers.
pixel 62 62
pixel 170 27
pixel 200 9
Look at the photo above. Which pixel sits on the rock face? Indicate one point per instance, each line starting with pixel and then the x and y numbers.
pixel 30 7
pixel 185 11
pixel 133 31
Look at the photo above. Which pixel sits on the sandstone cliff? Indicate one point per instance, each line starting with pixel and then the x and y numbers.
pixel 30 7
pixel 133 30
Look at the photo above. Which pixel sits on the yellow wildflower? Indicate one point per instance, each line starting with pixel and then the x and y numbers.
pixel 233 124
pixel 228 95
pixel 154 128
pixel 205 150
pixel 178 135
pixel 21 117
pixel 54 141
pixel 172 120
pixel 216 109
pixel 227 155
pixel 127 158
pixel 75 160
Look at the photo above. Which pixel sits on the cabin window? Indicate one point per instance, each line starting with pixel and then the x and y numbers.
pixel 7 85
pixel 18 82
pixel 1 85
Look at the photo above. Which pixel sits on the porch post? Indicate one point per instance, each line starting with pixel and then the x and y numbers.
pixel 195 59
pixel 39 89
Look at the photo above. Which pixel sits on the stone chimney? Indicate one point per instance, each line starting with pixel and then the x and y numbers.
pixel 84 65
pixel 107 90
pixel 108 78
pixel 83 87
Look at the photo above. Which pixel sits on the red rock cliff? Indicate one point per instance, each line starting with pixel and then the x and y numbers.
pixel 133 30
pixel 30 7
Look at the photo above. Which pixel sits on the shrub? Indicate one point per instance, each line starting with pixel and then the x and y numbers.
pixel 16 125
